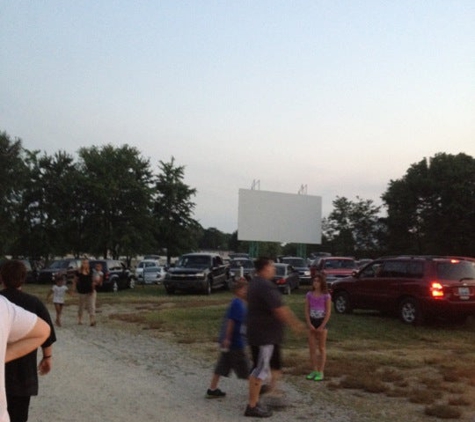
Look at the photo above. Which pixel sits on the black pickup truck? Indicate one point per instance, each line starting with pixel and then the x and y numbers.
pixel 197 272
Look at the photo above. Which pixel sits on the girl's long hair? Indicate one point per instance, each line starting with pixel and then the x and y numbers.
pixel 323 282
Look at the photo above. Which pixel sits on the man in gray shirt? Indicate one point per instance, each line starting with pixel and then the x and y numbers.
pixel 267 315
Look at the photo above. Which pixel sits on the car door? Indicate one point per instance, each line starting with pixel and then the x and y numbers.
pixel 379 287
pixel 219 271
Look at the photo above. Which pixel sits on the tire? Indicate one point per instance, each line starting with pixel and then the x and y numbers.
pixel 207 290
pixel 410 311
pixel 115 286
pixel 170 290
pixel 342 303
pixel 287 290
pixel 132 283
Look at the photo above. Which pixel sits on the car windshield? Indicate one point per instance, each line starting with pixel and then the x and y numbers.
pixel 58 264
pixel 195 261
pixel 280 270
pixel 244 263
pixel 456 270
pixel 295 262
pixel 340 264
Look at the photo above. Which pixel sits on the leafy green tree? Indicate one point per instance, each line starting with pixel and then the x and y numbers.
pixel 176 229
pixel 214 239
pixel 12 177
pixel 115 201
pixel 431 209
pixel 353 227
pixel 46 218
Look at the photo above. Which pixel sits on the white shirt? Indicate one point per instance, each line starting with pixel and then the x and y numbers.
pixel 58 293
pixel 15 323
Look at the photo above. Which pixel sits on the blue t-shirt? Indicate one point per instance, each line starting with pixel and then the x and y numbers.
pixel 237 312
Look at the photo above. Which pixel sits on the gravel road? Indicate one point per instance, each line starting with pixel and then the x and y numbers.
pixel 107 374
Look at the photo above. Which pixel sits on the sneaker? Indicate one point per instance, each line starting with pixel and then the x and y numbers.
pixel 215 394
pixel 319 376
pixel 312 375
pixel 257 412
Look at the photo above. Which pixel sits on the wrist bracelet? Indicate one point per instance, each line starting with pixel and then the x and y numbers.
pixel 47 357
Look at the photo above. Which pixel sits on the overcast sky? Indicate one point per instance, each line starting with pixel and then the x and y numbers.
pixel 340 96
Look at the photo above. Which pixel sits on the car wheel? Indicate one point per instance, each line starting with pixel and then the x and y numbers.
pixel 132 283
pixel 207 290
pixel 288 289
pixel 115 286
pixel 409 311
pixel 342 303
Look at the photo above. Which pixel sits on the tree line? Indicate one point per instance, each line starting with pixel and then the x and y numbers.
pixel 109 201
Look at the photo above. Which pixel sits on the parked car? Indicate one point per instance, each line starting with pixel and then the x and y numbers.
pixel 116 275
pixel 416 288
pixel 334 267
pixel 286 278
pixel 241 255
pixel 197 272
pixel 300 265
pixel 68 266
pixel 241 267
pixel 149 271
pixel 362 262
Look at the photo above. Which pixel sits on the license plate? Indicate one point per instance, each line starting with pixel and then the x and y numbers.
pixel 464 292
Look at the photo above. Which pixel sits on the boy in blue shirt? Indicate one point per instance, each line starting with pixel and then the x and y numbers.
pixel 232 342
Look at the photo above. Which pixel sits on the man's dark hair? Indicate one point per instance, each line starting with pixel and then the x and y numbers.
pixel 262 262
pixel 13 273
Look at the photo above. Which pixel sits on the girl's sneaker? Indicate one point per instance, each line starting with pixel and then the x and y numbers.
pixel 318 376
pixel 312 375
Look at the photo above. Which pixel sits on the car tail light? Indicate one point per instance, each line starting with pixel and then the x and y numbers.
pixel 436 290
pixel 281 281
pixel 106 275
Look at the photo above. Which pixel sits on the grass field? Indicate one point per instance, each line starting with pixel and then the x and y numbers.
pixel 429 369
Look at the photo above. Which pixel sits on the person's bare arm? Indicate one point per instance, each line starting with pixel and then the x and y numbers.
pixel 284 314
pixel 45 364
pixel 34 339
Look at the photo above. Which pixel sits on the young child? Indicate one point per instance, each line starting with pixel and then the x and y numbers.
pixel 58 292
pixel 317 314
pixel 97 275
pixel 232 342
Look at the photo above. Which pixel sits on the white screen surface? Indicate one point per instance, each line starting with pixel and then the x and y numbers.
pixel 279 217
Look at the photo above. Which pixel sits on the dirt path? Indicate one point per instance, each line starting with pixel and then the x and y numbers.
pixel 106 374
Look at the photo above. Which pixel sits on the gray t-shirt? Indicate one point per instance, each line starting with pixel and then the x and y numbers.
pixel 263 327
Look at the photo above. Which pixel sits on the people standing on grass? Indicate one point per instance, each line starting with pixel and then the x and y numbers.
pixel 317 314
pixel 267 316
pixel 232 341
pixel 84 285
pixel 21 375
pixel 58 291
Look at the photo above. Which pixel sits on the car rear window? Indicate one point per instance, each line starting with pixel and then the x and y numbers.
pixel 455 270
pixel 339 264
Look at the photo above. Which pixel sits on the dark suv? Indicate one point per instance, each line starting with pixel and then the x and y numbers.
pixel 116 275
pixel 67 266
pixel 416 288
pixel 197 271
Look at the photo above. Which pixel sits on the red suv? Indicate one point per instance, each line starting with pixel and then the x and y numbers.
pixel 334 267
pixel 414 287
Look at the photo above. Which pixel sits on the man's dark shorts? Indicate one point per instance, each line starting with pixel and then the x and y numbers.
pixel 235 360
